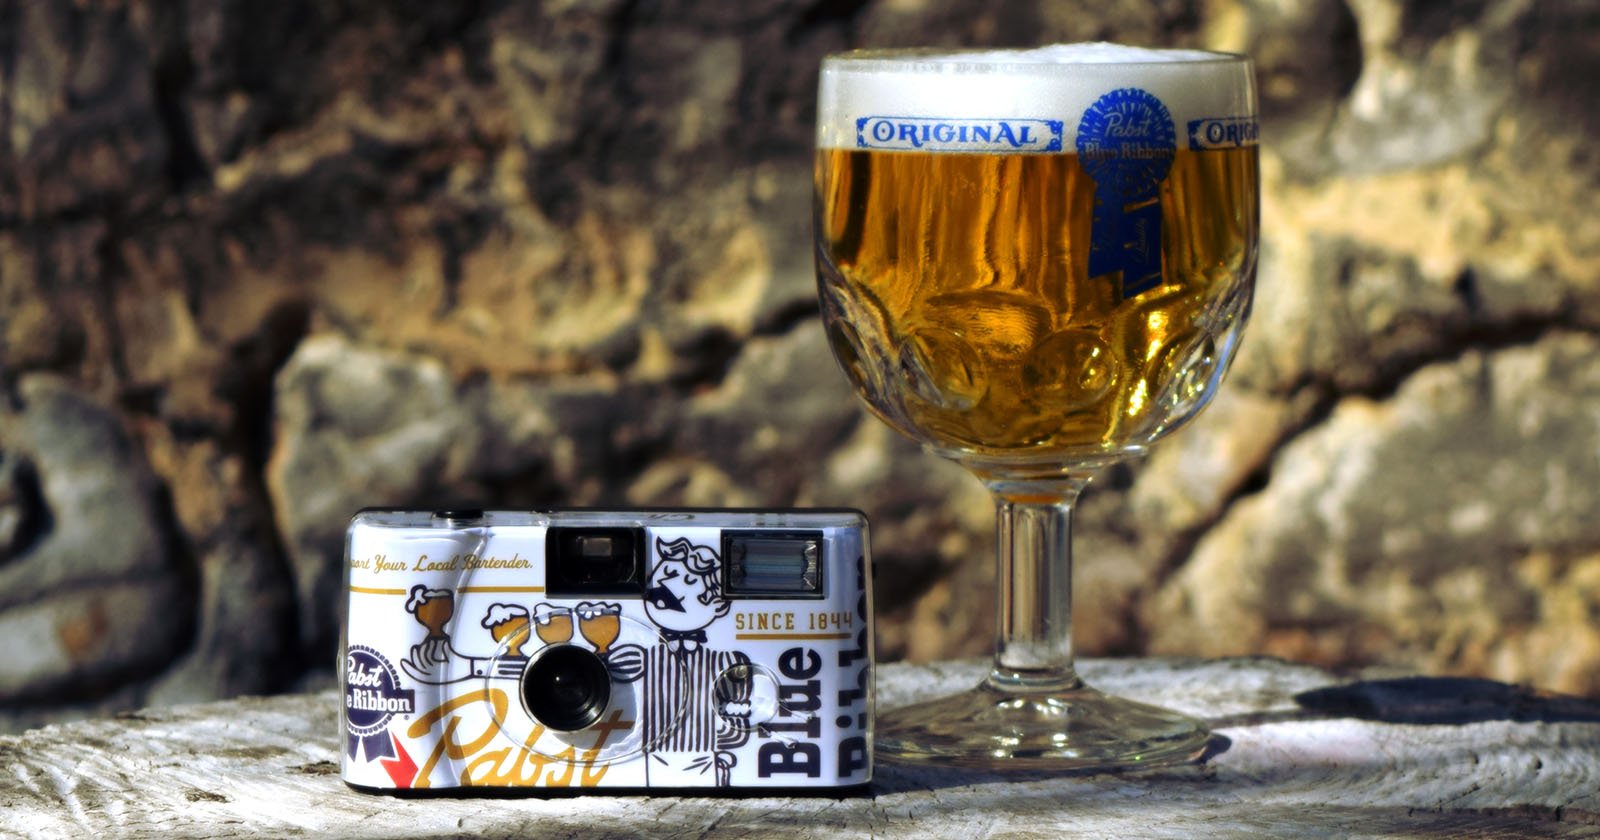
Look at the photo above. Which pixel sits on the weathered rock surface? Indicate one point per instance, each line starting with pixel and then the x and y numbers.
pixel 91 592
pixel 1439 523
pixel 297 258
pixel 1298 753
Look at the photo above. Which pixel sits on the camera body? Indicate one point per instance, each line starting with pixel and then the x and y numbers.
pixel 667 649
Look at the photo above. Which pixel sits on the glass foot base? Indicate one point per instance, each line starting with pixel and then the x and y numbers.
pixel 1075 729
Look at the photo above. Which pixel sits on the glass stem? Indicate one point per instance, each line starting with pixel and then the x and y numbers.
pixel 1033 651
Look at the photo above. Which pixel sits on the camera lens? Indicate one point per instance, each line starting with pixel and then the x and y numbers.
pixel 566 688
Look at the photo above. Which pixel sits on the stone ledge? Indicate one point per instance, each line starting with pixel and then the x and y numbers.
pixel 1472 756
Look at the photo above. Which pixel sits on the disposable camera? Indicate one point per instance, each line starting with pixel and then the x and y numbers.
pixel 651 650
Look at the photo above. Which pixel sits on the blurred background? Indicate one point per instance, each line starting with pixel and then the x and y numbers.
pixel 262 264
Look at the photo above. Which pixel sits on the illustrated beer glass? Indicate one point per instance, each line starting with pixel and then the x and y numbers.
pixel 508 625
pixel 600 624
pixel 433 609
pixel 1036 263
pixel 553 624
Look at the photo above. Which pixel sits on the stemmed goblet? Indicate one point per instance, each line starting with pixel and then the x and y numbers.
pixel 1036 263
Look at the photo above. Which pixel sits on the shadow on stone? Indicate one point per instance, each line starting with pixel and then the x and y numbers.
pixel 1446 701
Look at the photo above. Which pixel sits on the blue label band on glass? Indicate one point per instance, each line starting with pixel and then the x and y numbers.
pixel 935 134
pixel 1223 133
pixel 1126 141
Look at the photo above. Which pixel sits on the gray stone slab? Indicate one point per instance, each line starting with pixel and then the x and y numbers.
pixel 1300 752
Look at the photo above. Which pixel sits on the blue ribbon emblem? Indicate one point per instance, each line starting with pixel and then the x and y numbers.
pixel 372 697
pixel 377 745
pixel 1126 142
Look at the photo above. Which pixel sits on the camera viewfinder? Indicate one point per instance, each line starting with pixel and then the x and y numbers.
pixel 773 564
pixel 594 561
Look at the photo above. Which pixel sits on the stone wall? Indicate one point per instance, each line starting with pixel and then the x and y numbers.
pixel 262 264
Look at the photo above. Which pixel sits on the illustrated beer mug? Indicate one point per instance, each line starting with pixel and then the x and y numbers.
pixel 433 609
pixel 600 624
pixel 1036 263
pixel 508 625
pixel 552 624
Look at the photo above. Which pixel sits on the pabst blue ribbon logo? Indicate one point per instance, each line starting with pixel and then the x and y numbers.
pixel 372 697
pixel 939 134
pixel 1126 141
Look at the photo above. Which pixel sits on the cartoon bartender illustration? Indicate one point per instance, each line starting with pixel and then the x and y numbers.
pixel 436 661
pixel 683 598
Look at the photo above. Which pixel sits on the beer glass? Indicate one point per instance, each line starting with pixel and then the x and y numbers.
pixel 552 624
pixel 433 609
pixel 600 624
pixel 508 625
pixel 1036 263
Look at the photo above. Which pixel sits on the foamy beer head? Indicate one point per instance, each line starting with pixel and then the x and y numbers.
pixel 1058 82
pixel 1036 253
pixel 508 621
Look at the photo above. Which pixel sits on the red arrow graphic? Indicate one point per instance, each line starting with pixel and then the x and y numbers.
pixel 401 769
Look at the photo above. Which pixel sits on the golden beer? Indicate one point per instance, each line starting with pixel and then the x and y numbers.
pixel 600 628
pixel 513 633
pixel 433 609
pixel 1036 262
pixel 553 625
pixel 958 297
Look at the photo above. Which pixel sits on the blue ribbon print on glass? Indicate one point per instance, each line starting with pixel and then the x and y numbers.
pixel 1126 141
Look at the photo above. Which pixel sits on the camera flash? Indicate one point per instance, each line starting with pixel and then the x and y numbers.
pixel 774 564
